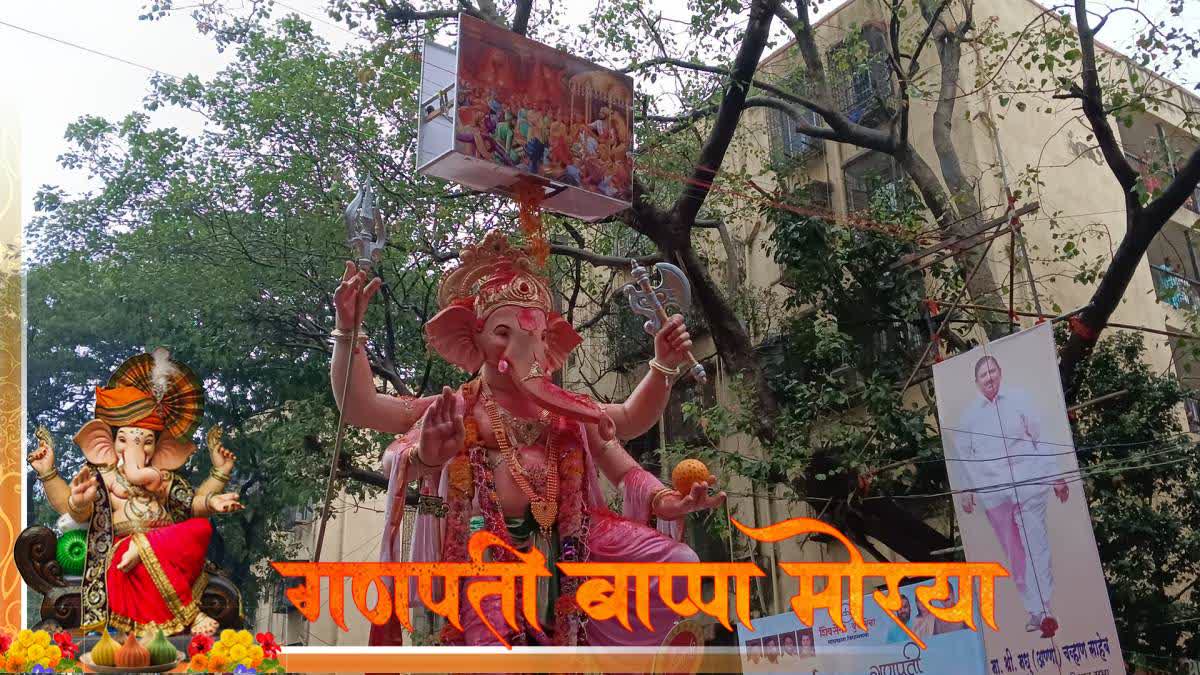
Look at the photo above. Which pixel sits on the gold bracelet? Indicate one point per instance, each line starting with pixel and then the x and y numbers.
pixel 663 492
pixel 658 365
pixel 208 504
pixel 49 475
pixel 343 336
pixel 74 509
pixel 414 455
pixel 218 476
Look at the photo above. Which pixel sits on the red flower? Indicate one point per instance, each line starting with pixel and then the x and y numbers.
pixel 269 646
pixel 5 642
pixel 200 644
pixel 66 645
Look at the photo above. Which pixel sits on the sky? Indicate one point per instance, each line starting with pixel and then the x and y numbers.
pixel 54 83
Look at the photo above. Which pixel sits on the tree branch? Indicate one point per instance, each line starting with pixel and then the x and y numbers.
pixel 520 23
pixel 1176 193
pixel 712 153
pixel 718 70
pixel 1093 108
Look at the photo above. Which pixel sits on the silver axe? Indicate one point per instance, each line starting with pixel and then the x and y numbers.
pixel 650 300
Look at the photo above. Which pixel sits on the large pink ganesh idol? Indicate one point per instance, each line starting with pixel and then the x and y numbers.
pixel 514 454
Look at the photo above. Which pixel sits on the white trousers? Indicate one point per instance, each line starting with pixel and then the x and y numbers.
pixel 1021 529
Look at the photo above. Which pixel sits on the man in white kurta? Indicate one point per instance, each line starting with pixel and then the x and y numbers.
pixel 1002 467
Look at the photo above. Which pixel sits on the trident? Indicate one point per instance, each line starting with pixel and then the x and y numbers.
pixel 650 301
pixel 366 233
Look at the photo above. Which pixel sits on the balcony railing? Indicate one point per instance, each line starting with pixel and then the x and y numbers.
pixel 1174 289
pixel 1192 407
pixel 862 90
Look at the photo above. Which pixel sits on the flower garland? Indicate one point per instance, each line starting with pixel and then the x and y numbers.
pixel 236 652
pixel 32 651
pixel 573 522
pixel 458 513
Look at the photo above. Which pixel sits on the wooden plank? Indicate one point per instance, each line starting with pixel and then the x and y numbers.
pixel 913 257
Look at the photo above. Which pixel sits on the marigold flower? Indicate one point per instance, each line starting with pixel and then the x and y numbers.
pixel 199 662
pixel 237 653
pixel 41 638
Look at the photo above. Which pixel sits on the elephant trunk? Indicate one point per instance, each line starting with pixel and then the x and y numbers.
pixel 536 384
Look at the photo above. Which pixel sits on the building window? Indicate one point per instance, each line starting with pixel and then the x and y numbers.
pixel 874 180
pixel 788 146
pixel 862 78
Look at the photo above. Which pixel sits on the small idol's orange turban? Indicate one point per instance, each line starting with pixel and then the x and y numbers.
pixel 127 407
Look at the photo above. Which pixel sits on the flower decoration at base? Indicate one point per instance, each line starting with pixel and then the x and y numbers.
pixel 236 652
pixel 200 644
pixel 37 652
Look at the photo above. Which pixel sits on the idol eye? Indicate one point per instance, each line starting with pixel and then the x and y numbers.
pixel 501 331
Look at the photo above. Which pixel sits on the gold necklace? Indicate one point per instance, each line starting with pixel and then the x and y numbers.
pixel 544 508
pixel 524 431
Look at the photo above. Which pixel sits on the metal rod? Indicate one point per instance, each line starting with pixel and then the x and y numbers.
pixel 337 447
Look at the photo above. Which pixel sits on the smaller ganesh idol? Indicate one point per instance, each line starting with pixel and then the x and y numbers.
pixel 148 529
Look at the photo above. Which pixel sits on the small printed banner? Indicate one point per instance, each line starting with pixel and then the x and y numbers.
pixel 783 644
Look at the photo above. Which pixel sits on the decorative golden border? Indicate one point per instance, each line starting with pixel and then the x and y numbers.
pixel 11 393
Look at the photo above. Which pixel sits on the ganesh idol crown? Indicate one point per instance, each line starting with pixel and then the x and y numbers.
pixel 512 453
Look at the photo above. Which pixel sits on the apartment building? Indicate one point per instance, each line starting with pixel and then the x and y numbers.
pixel 998 146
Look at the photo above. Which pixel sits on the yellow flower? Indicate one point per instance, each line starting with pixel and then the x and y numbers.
pixel 54 652
pixel 25 637
pixel 35 652
pixel 41 638
pixel 227 635
pixel 220 648
pixel 256 651
pixel 17 651
pixel 245 638
pixel 199 662
pixel 237 653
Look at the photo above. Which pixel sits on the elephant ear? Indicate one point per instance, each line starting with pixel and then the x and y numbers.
pixel 452 333
pixel 561 339
pixel 96 441
pixel 171 453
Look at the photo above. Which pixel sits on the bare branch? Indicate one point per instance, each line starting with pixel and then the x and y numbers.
pixel 720 135
pixel 1093 108
pixel 520 24
pixel 718 70
pixel 600 260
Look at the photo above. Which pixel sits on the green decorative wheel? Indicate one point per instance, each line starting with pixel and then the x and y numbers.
pixel 71 552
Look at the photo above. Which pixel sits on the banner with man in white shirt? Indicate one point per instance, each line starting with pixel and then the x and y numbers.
pixel 1019 500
